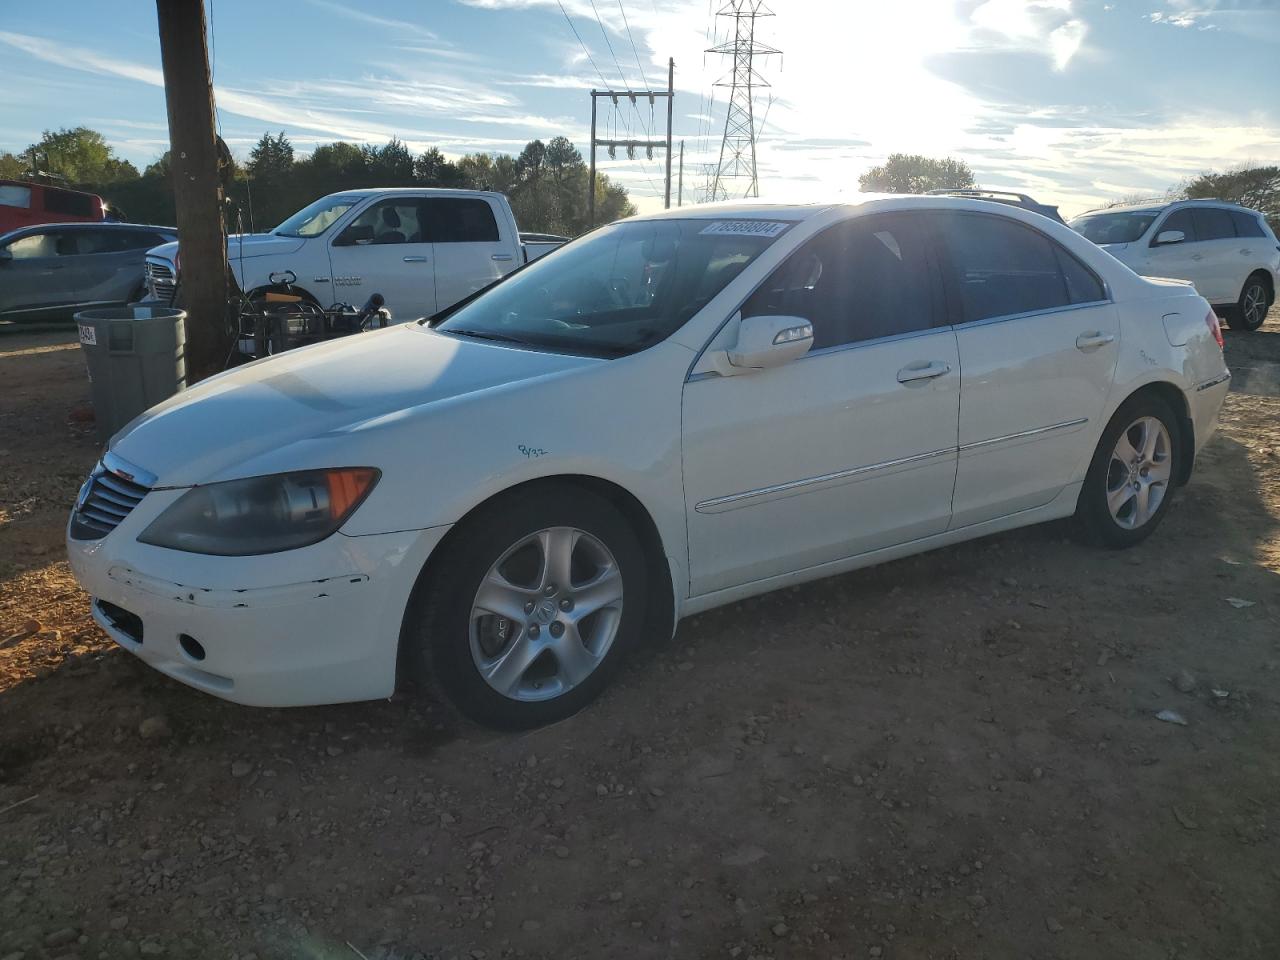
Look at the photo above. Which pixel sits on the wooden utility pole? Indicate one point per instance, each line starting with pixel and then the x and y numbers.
pixel 193 157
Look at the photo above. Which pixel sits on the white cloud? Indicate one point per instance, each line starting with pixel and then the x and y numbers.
pixel 1036 26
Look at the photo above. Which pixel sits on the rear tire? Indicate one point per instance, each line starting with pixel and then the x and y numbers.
pixel 1133 474
pixel 548 657
pixel 1250 311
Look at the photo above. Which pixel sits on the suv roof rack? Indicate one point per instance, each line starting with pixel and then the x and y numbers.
pixel 975 192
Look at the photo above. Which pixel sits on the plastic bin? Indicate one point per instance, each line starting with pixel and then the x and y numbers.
pixel 136 357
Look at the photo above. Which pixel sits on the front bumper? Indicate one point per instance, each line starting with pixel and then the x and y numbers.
pixel 310 626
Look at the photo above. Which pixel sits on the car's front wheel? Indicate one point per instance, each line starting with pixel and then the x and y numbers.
pixel 524 618
pixel 1131 478
pixel 1250 311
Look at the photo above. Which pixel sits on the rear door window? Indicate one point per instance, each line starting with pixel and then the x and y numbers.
pixel 1213 224
pixel 1246 224
pixel 1002 268
pixel 459 220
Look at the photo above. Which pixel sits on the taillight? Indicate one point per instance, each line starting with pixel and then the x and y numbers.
pixel 1215 328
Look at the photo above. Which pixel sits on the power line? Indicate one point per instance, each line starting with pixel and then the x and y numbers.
pixel 609 43
pixel 643 78
pixel 590 59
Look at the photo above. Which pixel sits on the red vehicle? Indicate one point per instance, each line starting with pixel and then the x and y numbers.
pixel 25 203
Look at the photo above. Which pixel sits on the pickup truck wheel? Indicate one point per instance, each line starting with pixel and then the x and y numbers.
pixel 525 618
pixel 1250 311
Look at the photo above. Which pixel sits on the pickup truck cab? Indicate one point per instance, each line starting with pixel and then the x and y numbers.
pixel 422 249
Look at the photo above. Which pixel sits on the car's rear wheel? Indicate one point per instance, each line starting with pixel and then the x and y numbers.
pixel 1133 474
pixel 525 617
pixel 1250 311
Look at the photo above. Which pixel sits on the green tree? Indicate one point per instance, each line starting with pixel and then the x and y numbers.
pixel 433 169
pixel 390 165
pixel 11 166
pixel 81 155
pixel 912 173
pixel 271 158
pixel 1255 187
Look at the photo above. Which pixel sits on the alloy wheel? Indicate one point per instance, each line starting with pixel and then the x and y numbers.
pixel 546 614
pixel 1253 305
pixel 1139 473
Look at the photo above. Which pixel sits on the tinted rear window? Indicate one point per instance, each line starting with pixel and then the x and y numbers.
pixel 1213 224
pixel 1247 224
pixel 1002 268
pixel 459 220
pixel 71 204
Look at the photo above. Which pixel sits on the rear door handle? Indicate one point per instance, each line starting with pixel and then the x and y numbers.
pixel 502 256
pixel 1092 341
pixel 928 371
pixel 1197 256
pixel 1247 253
pixel 415 259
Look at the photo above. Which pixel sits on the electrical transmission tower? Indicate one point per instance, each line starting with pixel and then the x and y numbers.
pixel 738 146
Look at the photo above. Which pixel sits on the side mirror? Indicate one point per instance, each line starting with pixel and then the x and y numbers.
pixel 5 256
pixel 1169 236
pixel 354 234
pixel 770 341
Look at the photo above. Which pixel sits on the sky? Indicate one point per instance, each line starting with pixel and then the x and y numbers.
pixel 1076 102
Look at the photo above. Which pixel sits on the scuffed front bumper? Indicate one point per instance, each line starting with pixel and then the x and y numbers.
pixel 310 626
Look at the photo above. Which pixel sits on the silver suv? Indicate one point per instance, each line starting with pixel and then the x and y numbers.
pixel 1227 251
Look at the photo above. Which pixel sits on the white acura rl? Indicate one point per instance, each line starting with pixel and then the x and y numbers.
pixel 674 412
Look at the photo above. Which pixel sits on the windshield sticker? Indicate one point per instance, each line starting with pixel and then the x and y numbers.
pixel 88 335
pixel 745 228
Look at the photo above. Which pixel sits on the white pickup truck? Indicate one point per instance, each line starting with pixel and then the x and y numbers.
pixel 422 249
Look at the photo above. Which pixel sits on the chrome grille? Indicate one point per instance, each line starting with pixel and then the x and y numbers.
pixel 161 284
pixel 106 499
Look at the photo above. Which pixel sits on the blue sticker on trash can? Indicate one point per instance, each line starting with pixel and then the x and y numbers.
pixel 88 335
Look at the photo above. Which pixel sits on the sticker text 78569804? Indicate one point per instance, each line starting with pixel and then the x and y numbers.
pixel 745 228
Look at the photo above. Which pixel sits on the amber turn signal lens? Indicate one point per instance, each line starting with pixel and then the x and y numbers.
pixel 347 487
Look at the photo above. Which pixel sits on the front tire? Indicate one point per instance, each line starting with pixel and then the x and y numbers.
pixel 525 617
pixel 1131 478
pixel 1250 311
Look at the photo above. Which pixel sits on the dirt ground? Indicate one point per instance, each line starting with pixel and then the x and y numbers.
pixel 952 756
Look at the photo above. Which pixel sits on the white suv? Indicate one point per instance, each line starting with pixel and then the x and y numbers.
pixel 1227 251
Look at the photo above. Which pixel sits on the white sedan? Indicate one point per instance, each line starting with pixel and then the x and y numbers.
pixel 675 412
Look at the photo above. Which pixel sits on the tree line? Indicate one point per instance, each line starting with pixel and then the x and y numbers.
pixel 547 183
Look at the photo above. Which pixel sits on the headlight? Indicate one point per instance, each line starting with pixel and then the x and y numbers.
pixel 259 515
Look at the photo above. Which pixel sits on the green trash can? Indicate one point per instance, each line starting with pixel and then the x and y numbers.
pixel 136 357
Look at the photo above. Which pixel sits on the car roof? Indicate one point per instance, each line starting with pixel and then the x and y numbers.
pixel 1157 205
pixel 446 191
pixel 81 225
pixel 797 212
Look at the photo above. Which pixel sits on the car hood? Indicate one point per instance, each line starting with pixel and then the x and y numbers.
pixel 239 245
pixel 200 434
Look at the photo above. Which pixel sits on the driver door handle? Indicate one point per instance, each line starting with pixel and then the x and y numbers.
pixel 502 256
pixel 1197 256
pixel 1092 341
pixel 928 371
pixel 415 259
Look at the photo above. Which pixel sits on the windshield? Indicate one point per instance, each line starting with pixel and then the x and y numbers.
pixel 1114 227
pixel 619 290
pixel 315 218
